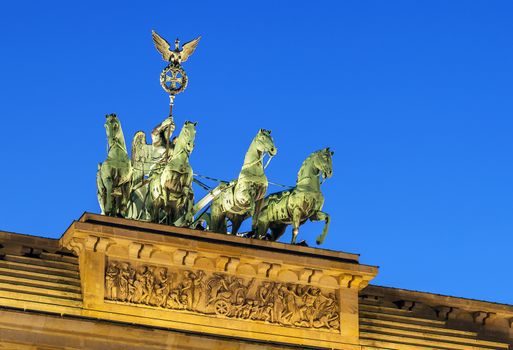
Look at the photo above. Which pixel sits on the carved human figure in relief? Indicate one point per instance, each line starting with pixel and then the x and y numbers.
pixel 192 288
pixel 144 284
pixel 228 296
pixel 124 281
pixel 139 285
pixel 290 312
pixel 111 281
pixel 161 287
pixel 307 311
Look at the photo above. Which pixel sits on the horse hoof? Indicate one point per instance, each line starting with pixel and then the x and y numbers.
pixel 302 243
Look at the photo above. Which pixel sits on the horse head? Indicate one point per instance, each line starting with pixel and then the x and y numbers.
pixel 185 140
pixel 113 128
pixel 323 162
pixel 265 143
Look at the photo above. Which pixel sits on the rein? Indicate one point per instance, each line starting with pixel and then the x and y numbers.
pixel 116 143
pixel 307 177
pixel 259 160
pixel 268 161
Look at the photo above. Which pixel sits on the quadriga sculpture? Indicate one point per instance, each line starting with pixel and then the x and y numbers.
pixel 242 198
pixel 114 176
pixel 296 206
pixel 171 188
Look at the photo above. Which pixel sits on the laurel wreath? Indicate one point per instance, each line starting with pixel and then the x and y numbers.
pixel 175 69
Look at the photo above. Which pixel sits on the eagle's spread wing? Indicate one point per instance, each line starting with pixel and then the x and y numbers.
pixel 162 45
pixel 188 48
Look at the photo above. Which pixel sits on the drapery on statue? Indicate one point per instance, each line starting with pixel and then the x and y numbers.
pixel 114 176
pixel 171 188
pixel 296 206
pixel 241 199
pixel 147 159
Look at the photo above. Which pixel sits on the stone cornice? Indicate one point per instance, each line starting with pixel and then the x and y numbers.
pixel 439 301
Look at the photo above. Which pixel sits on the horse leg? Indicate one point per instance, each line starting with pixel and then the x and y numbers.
pixel 155 212
pixel 189 206
pixel 236 222
pixel 260 227
pixel 173 212
pixel 169 215
pixel 217 219
pixel 115 198
pixel 296 221
pixel 146 207
pixel 277 231
pixel 108 197
pixel 204 219
pixel 100 189
pixel 256 213
pixel 135 206
pixel 321 216
pixel 125 196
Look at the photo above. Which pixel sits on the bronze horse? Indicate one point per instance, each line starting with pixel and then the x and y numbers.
pixel 242 197
pixel 296 206
pixel 114 176
pixel 171 188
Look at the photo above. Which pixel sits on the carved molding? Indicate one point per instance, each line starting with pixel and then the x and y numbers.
pixel 222 295
pixel 76 244
pixel 481 317
pixel 407 305
pixel 443 312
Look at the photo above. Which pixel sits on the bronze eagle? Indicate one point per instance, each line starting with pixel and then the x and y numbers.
pixel 178 55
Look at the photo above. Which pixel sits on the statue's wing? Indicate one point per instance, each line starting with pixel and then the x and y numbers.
pixel 162 45
pixel 138 146
pixel 188 48
pixel 140 155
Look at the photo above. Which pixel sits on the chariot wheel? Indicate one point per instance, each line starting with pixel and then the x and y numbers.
pixel 221 308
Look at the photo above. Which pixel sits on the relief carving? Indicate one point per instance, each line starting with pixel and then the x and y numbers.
pixel 286 304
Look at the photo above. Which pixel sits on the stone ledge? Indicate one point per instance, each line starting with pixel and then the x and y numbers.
pixel 166 230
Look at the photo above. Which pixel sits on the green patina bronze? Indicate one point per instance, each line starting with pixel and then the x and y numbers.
pixel 298 205
pixel 155 184
pixel 170 187
pixel 114 176
pixel 242 198
pixel 146 159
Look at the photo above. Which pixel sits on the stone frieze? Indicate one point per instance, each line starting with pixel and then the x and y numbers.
pixel 222 295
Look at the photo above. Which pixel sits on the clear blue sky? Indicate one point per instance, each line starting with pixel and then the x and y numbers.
pixel 415 97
